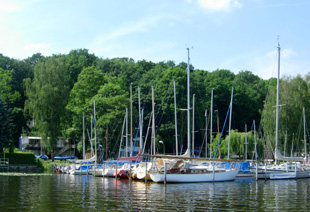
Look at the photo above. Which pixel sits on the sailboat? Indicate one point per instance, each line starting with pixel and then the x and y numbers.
pixel 183 168
pixel 125 170
pixel 292 168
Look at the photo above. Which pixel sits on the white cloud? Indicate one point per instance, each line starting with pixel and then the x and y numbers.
pixel 219 5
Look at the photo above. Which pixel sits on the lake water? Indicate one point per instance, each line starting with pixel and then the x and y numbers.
pixel 87 193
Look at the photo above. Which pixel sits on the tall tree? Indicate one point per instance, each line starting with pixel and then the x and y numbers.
pixel 48 95
pixel 5 125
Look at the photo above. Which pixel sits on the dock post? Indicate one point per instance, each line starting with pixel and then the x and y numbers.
pixel 130 170
pixel 116 170
pixel 257 171
pixel 265 171
pixel 145 172
pixel 296 170
pixel 87 169
pixel 103 170
pixel 67 166
pixel 213 172
pixel 81 167
pixel 165 173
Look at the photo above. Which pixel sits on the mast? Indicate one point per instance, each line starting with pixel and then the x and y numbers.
pixel 285 143
pixel 292 145
pixel 255 141
pixel 130 119
pixel 175 120
pixel 206 114
pixel 140 119
pixel 305 136
pixel 211 123
pixel 126 150
pixel 91 135
pixel 231 104
pixel 95 131
pixel 106 142
pixel 122 135
pixel 193 132
pixel 188 105
pixel 246 143
pixel 278 96
pixel 83 136
pixel 153 121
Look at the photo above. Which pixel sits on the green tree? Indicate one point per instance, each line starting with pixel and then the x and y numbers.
pixel 48 95
pixel 5 125
pixel 294 95
pixel 6 91
pixel 76 61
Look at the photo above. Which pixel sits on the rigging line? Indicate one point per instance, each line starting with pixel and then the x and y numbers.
pixel 116 144
pixel 147 133
pixel 136 138
pixel 205 139
pixel 299 132
pixel 160 108
pixel 218 144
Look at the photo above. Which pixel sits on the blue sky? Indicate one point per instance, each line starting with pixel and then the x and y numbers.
pixel 225 34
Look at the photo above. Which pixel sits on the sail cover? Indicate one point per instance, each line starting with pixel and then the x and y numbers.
pixel 279 156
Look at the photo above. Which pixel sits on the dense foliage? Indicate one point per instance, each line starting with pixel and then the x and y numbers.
pixel 5 125
pixel 55 91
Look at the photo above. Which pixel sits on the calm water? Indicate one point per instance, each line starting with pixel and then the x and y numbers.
pixel 87 193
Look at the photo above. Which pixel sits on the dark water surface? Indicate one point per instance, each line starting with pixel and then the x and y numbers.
pixel 87 193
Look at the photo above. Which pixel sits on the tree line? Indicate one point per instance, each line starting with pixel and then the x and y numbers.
pixel 53 92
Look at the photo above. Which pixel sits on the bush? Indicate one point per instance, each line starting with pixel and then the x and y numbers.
pixel 20 158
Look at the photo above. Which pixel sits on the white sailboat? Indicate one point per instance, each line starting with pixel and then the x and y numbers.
pixel 182 168
pixel 292 168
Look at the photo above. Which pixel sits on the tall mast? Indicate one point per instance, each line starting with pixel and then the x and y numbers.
pixel 206 114
pixel 292 145
pixel 122 136
pixel 95 130
pixel 83 136
pixel 91 135
pixel 255 141
pixel 193 132
pixel 278 97
pixel 126 149
pixel 305 136
pixel 211 123
pixel 188 106
pixel 106 142
pixel 140 119
pixel 231 104
pixel 153 121
pixel 175 120
pixel 130 119
pixel 246 143
pixel 285 143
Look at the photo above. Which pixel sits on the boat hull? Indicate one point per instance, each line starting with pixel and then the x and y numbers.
pixel 228 175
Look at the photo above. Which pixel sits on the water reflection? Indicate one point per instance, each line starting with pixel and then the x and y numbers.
pixel 85 193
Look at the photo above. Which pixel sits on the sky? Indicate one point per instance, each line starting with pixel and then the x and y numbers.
pixel 237 35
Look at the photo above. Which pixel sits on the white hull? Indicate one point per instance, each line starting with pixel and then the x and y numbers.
pixel 78 172
pixel 97 172
pixel 228 175
pixel 282 175
pixel 108 172
pixel 283 171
